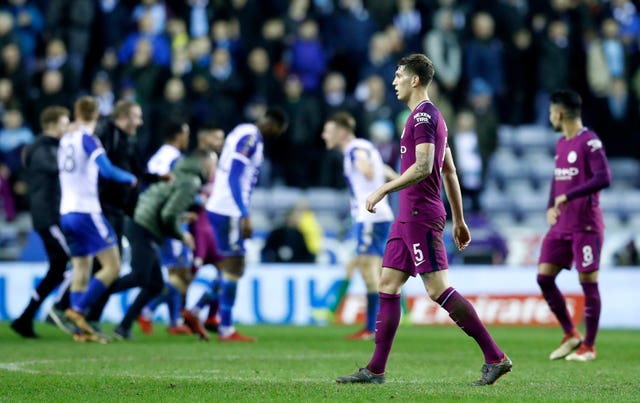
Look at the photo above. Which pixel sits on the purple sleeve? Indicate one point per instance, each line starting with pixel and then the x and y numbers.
pixel 601 175
pixel 424 129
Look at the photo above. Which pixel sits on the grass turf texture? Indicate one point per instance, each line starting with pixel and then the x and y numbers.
pixel 301 363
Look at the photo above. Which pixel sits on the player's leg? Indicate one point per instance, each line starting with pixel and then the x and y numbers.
pixel 75 313
pixel 58 254
pixel 233 269
pixel 387 323
pixel 370 268
pixel 465 316
pixel 177 283
pixel 554 255
pixel 587 248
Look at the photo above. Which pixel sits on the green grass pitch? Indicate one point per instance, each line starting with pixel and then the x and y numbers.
pixel 300 364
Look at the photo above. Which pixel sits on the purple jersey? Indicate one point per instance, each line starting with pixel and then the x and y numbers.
pixel 579 162
pixel 423 200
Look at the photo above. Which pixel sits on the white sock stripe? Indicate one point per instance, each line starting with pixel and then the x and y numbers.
pixel 447 297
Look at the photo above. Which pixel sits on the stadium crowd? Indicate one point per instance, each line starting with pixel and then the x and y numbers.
pixel 221 61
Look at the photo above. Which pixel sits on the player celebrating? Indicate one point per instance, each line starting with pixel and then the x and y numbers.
pixel 89 234
pixel 577 227
pixel 415 244
pixel 365 172
pixel 228 210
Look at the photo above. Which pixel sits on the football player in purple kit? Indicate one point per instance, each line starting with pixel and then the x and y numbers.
pixel 576 224
pixel 415 244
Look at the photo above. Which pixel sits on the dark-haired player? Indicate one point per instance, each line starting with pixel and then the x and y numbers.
pixel 577 227
pixel 415 244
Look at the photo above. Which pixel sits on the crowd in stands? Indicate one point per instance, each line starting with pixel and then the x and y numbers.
pixel 221 61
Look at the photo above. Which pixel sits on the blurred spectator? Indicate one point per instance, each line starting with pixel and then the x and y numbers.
pixel 335 98
pixel 408 21
pixel 56 58
pixel 304 149
pixel 223 36
pixel 145 75
pixel 486 120
pixel 71 20
pixel 618 120
pixel 625 12
pixel 226 87
pixel 28 24
pixel 13 137
pixel 158 43
pixel 7 98
pixel 7 33
pixel 605 58
pixel 553 67
pixel 520 59
pixel 484 55
pixel 51 93
pixel 102 90
pixel 13 69
pixel 306 57
pixel 489 245
pixel 197 14
pixel 286 243
pixel 381 134
pixel 173 107
pixel 375 103
pixel 351 20
pixel 442 46
pixel 273 40
pixel 178 36
pixel 261 80
pixel 379 60
pixel 157 12
pixel 297 13
pixel 464 145
pixel 112 23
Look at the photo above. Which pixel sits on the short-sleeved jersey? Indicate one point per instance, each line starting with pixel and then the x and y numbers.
pixel 163 160
pixel 244 143
pixel 78 172
pixel 423 200
pixel 576 161
pixel 362 187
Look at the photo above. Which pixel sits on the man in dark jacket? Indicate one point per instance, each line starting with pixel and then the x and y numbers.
pixel 158 215
pixel 41 163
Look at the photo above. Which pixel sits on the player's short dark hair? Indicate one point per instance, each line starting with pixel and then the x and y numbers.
pixel 344 120
pixel 86 108
pixel 277 115
pixel 419 65
pixel 173 129
pixel 51 114
pixel 122 108
pixel 569 100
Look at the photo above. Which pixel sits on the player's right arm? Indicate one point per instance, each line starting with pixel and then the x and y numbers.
pixel 244 149
pixel 418 171
pixel 461 234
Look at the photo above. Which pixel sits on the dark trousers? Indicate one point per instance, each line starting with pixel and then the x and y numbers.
pixel 146 271
pixel 57 251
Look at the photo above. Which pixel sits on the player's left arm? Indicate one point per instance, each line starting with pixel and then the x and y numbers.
pixel 600 174
pixel 461 234
pixel 105 167
pixel 418 171
pixel 179 201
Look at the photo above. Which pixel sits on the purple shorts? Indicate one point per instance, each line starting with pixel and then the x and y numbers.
pixel 564 248
pixel 206 248
pixel 416 247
